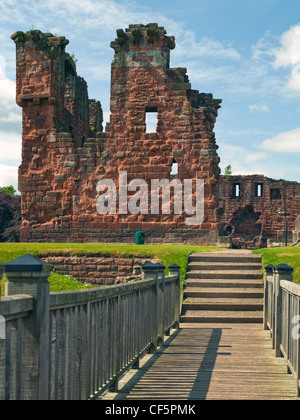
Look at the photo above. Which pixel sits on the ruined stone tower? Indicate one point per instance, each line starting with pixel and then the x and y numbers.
pixel 65 152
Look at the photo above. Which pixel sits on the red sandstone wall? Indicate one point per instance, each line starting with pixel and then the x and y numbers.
pixel 253 219
pixel 296 232
pixel 65 153
pixel 95 270
pixel 297 224
pixel 141 79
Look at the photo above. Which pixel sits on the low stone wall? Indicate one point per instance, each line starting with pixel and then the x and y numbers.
pixel 97 269
pixel 67 233
pixel 296 232
pixel 297 224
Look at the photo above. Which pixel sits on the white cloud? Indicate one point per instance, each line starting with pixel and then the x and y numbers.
pixel 232 73
pixel 12 117
pixel 8 175
pixel 240 158
pixel 99 72
pixel 10 146
pixel 10 113
pixel 248 162
pixel 7 92
pixel 265 48
pixel 78 16
pixel 288 56
pixel 254 157
pixel 259 107
pixel 204 47
pixel 282 53
pixel 294 80
pixel 287 142
pixel 288 53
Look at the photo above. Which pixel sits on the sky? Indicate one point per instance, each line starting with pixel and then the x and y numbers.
pixel 245 52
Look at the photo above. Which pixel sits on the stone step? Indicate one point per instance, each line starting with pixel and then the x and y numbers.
pixel 222 293
pixel 203 266
pixel 220 316
pixel 220 274
pixel 225 257
pixel 223 287
pixel 215 283
pixel 222 304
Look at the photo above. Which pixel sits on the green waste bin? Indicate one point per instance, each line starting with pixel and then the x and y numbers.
pixel 139 238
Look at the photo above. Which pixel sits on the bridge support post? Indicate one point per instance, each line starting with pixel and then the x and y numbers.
pixel 160 302
pixel 115 385
pixel 150 272
pixel 269 273
pixel 282 272
pixel 174 270
pixel 28 275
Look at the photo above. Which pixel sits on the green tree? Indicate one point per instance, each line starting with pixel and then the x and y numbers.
pixel 74 59
pixel 228 170
pixel 10 190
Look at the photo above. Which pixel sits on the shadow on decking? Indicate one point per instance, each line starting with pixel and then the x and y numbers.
pixel 181 369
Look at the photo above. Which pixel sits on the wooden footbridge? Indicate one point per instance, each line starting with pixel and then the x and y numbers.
pixel 229 337
pixel 211 362
pixel 221 350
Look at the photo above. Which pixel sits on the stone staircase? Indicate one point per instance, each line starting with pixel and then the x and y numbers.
pixel 223 287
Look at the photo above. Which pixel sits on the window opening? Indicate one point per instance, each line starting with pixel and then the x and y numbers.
pixel 151 120
pixel 236 190
pixel 174 169
pixel 259 190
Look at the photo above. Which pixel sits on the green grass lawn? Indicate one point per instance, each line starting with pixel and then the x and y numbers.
pixel 276 256
pixel 166 254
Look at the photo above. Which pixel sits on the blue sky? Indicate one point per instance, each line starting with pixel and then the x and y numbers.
pixel 246 53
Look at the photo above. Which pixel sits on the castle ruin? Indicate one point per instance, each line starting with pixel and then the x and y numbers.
pixel 66 152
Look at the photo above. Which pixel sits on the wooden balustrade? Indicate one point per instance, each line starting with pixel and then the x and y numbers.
pixel 282 315
pixel 76 345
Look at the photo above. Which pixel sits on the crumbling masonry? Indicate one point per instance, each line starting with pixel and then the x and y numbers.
pixel 254 209
pixel 296 233
pixel 65 151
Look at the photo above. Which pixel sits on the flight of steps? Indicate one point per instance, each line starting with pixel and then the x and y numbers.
pixel 223 287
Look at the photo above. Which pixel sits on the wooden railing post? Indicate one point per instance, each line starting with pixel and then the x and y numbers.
pixel 1 274
pixel 150 272
pixel 160 302
pixel 2 320
pixel 174 270
pixel 116 358
pixel 282 272
pixel 28 275
pixel 269 272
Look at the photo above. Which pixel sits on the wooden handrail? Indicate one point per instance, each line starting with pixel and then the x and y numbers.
pixel 77 344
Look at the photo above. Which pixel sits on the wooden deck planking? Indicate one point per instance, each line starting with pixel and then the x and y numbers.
pixel 211 362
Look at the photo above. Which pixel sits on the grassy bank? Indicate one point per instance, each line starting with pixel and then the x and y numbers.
pixel 289 256
pixel 166 254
